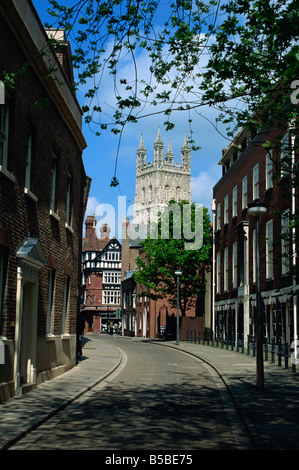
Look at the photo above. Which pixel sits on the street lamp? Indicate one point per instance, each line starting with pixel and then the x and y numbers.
pixel 257 210
pixel 178 274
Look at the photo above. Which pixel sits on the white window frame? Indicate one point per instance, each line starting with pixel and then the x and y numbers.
pixel 218 280
pixel 225 270
pixel 226 201
pixel 255 182
pixel 219 216
pixel 235 201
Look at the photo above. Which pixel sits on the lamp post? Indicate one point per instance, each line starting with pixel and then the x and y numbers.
pixel 178 274
pixel 257 210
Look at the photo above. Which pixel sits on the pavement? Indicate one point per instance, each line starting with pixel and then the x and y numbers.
pixel 270 414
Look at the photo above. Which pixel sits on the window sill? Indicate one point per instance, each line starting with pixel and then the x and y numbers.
pixel 69 228
pixel 65 336
pixel 50 337
pixel 30 194
pixel 54 215
pixel 6 173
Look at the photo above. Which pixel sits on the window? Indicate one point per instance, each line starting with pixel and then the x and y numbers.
pixel 51 277
pixel 4 130
pixel 65 302
pixel 53 184
pixel 69 199
pixel 235 201
pixel 285 242
pixel 167 196
pixel 256 182
pixel 218 280
pixel 254 255
pixel 226 209
pixel 269 249
pixel 178 193
pixel 285 156
pixel 3 268
pixel 219 216
pixel 235 264
pixel 269 170
pixel 225 269
pixel 112 277
pixel 244 192
pixel 113 297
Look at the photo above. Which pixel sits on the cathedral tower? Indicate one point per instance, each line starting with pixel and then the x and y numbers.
pixel 160 181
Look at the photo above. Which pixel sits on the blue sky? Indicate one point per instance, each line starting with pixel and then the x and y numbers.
pixel 99 157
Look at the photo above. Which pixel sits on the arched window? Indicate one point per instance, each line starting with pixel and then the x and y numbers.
pixel 178 193
pixel 167 193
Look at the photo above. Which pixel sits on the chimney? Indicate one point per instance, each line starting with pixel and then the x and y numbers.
pixel 90 224
pixel 105 232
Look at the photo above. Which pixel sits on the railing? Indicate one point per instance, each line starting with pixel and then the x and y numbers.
pixel 274 352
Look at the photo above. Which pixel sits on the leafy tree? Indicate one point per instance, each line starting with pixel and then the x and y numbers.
pixel 165 254
pixel 239 56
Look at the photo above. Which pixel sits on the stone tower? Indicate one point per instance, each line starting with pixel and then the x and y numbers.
pixel 160 181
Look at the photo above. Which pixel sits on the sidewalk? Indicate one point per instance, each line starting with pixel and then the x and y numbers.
pixel 271 415
pixel 19 415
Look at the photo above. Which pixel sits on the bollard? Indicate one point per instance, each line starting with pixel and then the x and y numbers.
pixel 198 336
pixel 248 346
pixel 279 353
pixel 191 333
pixel 238 342
pixel 187 335
pixel 273 350
pixel 266 349
pixel 195 336
pixel 203 337
pixel 242 343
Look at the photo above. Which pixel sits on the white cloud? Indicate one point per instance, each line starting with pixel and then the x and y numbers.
pixel 92 204
pixel 202 188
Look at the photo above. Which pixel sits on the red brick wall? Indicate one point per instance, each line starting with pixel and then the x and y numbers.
pixel 276 198
pixel 19 214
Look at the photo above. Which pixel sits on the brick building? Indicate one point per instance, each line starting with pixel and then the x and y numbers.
pixel 251 175
pixel 101 277
pixel 146 317
pixel 43 191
